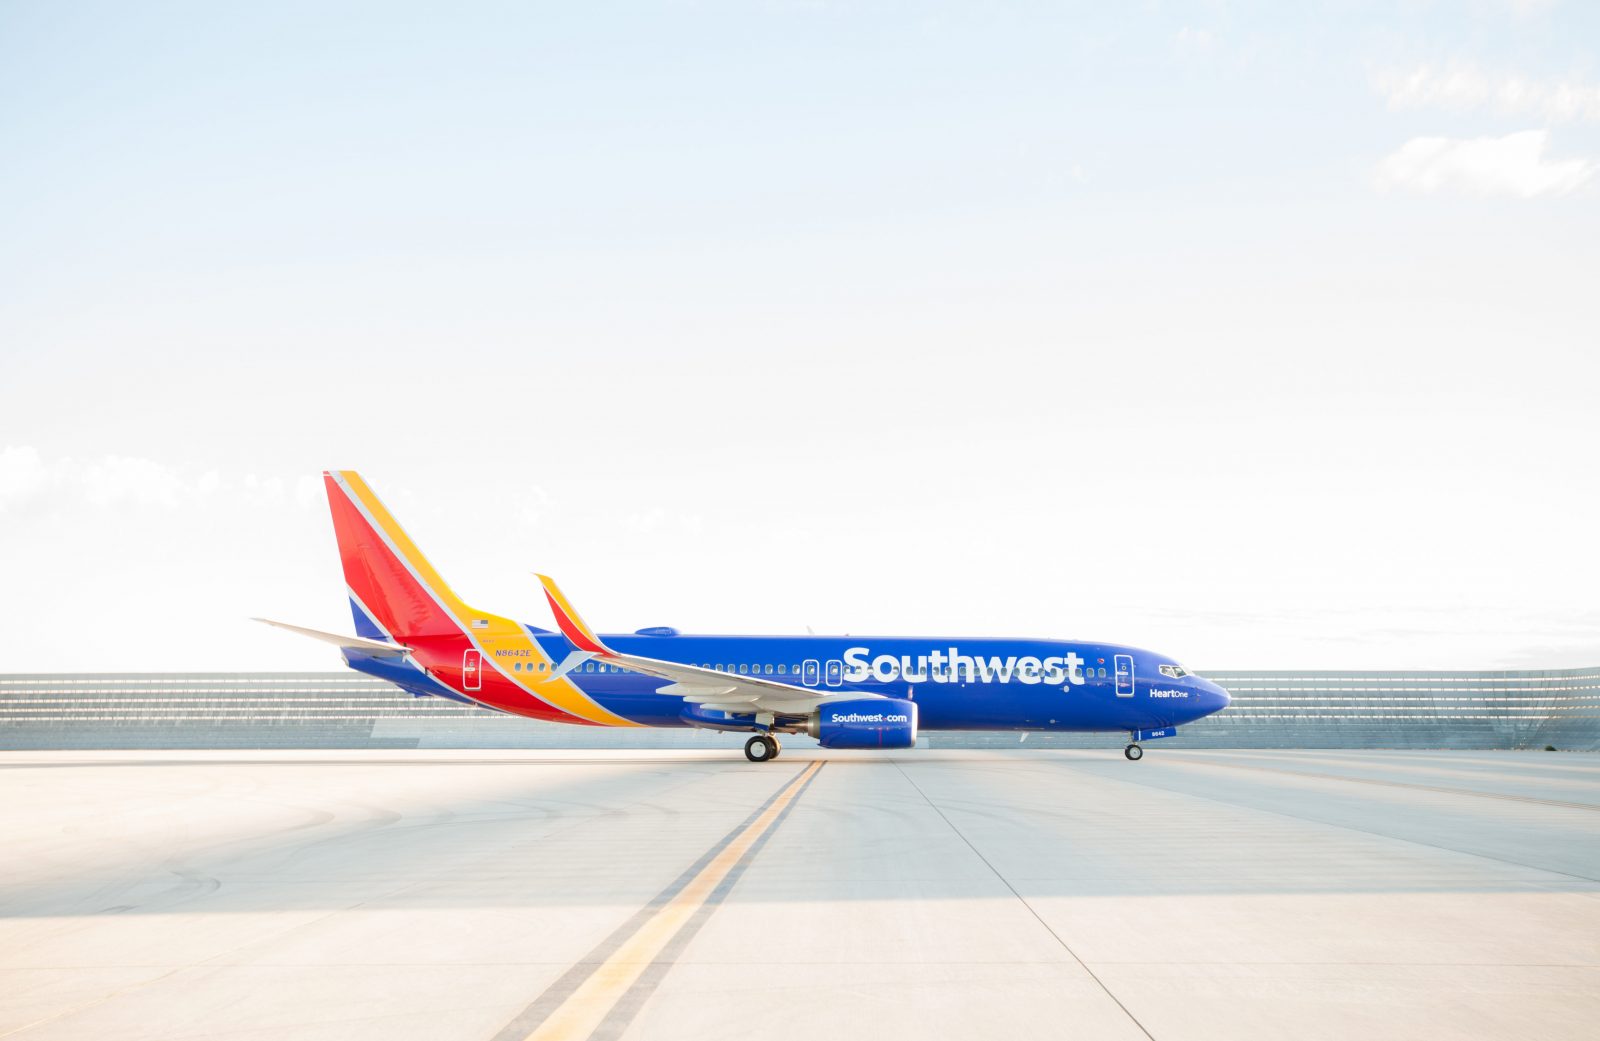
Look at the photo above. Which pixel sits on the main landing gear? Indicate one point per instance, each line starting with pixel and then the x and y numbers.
pixel 761 748
pixel 1133 752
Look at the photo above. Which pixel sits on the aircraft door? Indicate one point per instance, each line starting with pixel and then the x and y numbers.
pixel 1124 670
pixel 812 674
pixel 835 672
pixel 472 670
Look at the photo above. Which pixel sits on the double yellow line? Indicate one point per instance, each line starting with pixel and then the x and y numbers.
pixel 588 1006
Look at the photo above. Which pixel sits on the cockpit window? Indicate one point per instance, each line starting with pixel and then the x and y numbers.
pixel 1176 672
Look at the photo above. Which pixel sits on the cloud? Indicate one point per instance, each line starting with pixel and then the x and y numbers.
pixel 1512 165
pixel 115 479
pixel 1194 42
pixel 23 475
pixel 1466 88
pixel 31 483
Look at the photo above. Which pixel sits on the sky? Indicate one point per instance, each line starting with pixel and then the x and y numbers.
pixel 1262 335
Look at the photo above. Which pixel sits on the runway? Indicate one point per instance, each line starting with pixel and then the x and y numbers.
pixel 678 895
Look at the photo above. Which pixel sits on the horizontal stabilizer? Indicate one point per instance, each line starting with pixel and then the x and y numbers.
pixel 352 642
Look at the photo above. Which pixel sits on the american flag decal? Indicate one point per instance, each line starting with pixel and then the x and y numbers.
pixel 480 623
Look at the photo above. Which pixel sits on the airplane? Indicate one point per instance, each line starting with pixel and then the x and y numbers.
pixel 847 692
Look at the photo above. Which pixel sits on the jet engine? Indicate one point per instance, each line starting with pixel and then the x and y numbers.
pixel 865 723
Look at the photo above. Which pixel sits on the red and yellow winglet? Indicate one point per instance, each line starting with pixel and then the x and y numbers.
pixel 568 620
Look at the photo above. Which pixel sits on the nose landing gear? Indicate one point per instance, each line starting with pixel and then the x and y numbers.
pixel 761 748
pixel 1134 753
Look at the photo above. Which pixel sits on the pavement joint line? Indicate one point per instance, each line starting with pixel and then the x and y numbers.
pixel 600 993
pixel 164 972
pixel 1592 807
pixel 1378 834
pixel 1023 900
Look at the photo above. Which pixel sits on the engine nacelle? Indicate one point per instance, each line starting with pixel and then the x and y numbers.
pixel 865 723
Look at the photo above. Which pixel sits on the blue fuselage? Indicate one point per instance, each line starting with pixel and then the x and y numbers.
pixel 967 683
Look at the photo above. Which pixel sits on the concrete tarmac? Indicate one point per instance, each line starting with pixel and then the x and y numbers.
pixel 675 895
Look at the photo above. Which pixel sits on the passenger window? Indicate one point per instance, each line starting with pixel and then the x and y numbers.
pixel 780 670
pixel 769 670
pixel 743 669
pixel 1102 672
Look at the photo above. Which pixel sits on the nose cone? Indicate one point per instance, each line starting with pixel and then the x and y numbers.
pixel 1213 697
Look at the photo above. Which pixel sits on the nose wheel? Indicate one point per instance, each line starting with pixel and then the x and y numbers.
pixel 1134 753
pixel 761 748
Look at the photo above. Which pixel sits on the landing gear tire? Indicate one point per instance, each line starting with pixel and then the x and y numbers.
pixel 760 749
pixel 1134 753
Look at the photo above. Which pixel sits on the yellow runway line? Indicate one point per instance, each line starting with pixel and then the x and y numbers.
pixel 587 1007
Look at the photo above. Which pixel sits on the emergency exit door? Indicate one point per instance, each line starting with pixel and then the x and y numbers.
pixel 1124 670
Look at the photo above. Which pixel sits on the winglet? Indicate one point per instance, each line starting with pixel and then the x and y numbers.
pixel 568 621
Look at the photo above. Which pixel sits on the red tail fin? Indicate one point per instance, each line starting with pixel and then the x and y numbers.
pixel 389 579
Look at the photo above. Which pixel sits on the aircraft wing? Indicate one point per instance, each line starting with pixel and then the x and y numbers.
pixel 358 643
pixel 708 688
pixel 725 691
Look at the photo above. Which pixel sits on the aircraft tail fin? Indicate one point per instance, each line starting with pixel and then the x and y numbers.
pixel 395 594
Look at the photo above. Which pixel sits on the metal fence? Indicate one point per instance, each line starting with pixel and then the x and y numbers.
pixel 1271 709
